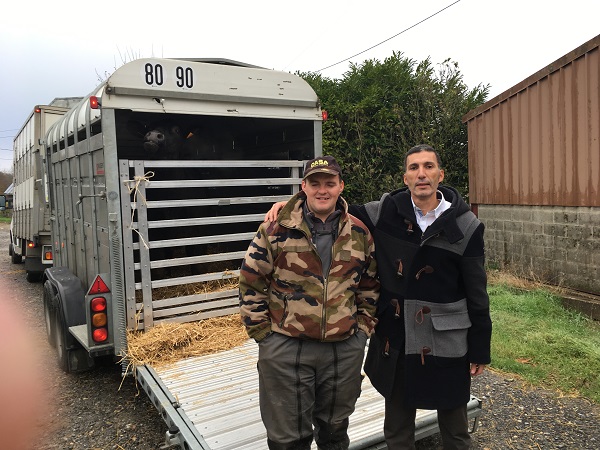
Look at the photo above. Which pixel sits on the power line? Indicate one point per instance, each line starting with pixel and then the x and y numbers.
pixel 398 34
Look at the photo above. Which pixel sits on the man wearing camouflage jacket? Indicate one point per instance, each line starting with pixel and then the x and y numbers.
pixel 308 292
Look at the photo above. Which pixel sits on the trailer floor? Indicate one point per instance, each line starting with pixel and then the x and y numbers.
pixel 212 401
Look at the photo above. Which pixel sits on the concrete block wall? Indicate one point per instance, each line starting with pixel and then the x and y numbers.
pixel 556 244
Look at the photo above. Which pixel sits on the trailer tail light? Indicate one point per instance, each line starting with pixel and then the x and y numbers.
pixel 47 254
pixel 325 115
pixel 94 103
pixel 30 244
pixel 100 335
pixel 98 306
pixel 99 319
pixel 99 310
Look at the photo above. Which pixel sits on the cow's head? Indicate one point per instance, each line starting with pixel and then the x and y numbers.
pixel 165 139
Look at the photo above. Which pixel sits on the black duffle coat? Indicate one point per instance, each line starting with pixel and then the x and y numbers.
pixel 433 310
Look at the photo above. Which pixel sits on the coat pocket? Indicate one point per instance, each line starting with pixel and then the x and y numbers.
pixel 449 333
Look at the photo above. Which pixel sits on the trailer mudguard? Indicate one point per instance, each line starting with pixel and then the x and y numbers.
pixel 70 294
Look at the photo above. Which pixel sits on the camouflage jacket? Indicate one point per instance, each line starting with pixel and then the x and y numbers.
pixel 282 288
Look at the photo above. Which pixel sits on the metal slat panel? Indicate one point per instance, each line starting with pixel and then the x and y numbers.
pixel 186 299
pixel 198 308
pixel 151 204
pixel 128 247
pixel 224 182
pixel 204 221
pixel 228 163
pixel 192 279
pixel 194 260
pixel 200 316
pixel 233 237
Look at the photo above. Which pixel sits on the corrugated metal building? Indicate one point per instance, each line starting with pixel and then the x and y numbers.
pixel 534 171
pixel 8 195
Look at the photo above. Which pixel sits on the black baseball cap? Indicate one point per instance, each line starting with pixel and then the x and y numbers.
pixel 322 164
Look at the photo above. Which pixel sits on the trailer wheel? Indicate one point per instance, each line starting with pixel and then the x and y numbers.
pixel 71 356
pixel 60 339
pixel 10 250
pixel 49 313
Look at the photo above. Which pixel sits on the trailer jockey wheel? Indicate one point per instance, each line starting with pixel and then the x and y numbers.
pixel 49 313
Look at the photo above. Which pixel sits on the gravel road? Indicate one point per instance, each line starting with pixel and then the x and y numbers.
pixel 98 410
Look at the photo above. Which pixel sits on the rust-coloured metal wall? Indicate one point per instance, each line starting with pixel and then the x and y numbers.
pixel 539 142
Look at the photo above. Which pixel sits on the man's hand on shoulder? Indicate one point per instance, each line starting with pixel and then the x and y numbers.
pixel 271 215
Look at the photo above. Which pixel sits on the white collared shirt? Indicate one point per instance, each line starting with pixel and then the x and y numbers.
pixel 424 220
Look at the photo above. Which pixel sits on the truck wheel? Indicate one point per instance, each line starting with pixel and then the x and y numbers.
pixel 33 277
pixel 10 250
pixel 49 313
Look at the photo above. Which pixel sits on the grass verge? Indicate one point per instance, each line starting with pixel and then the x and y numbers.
pixel 4 219
pixel 535 337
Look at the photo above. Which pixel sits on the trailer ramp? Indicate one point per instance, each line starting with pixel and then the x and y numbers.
pixel 212 400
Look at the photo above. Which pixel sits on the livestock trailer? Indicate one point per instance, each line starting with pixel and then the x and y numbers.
pixel 30 224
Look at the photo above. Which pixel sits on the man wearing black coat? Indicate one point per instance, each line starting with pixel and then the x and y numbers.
pixel 434 328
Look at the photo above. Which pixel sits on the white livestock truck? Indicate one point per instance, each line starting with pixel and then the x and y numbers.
pixel 158 180
pixel 30 226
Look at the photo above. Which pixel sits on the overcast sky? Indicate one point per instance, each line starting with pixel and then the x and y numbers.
pixel 48 50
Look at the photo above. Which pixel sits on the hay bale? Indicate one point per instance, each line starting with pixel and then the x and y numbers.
pixel 169 342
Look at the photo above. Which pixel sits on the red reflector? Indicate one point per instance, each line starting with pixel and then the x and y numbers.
pixel 38 110
pixel 100 335
pixel 94 102
pixel 98 304
pixel 325 115
pixel 98 286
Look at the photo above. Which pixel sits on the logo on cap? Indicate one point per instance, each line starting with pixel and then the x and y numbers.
pixel 319 162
